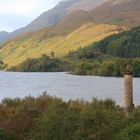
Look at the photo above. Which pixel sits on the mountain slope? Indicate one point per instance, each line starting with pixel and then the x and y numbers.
pixel 87 5
pixel 4 35
pixel 68 25
pixel 16 51
pixel 72 22
pixel 123 12
pixel 48 18
pixel 56 15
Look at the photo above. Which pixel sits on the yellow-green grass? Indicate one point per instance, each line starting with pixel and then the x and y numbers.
pixel 17 51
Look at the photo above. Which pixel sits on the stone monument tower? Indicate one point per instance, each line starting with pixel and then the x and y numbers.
pixel 128 89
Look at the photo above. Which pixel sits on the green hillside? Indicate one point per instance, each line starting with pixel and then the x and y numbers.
pixel 33 45
pixel 110 56
pixel 126 44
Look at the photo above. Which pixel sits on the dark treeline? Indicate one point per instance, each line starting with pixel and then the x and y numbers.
pixel 81 65
pixel 114 68
pixel 126 44
pixel 49 118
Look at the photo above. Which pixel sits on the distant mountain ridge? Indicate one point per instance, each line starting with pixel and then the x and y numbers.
pixel 48 18
pixel 56 15
pixel 4 35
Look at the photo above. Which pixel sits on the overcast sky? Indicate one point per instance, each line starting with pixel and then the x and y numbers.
pixel 18 13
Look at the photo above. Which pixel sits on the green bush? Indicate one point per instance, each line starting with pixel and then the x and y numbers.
pixel 6 136
pixel 43 64
pixel 50 118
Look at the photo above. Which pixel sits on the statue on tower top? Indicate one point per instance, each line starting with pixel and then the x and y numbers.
pixel 128 70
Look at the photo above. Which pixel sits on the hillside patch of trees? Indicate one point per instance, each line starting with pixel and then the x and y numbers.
pixel 42 64
pixel 126 44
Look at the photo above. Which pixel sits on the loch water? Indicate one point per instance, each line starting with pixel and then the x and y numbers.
pixel 64 85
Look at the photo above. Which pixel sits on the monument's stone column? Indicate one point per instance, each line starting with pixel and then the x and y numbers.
pixel 128 89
